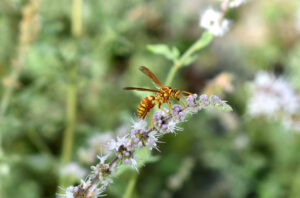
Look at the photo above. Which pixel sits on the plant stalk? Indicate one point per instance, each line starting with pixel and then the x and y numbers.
pixel 71 99
pixel 197 45
pixel 130 186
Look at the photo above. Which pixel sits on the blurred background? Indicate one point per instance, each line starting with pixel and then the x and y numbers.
pixel 61 96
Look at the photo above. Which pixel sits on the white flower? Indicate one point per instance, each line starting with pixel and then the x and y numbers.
pixel 171 126
pixel 69 192
pixel 73 169
pixel 114 145
pixel 134 163
pixel 212 21
pixel 139 124
pixel 235 3
pixel 152 140
pixel 102 158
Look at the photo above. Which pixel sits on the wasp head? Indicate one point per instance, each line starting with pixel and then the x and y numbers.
pixel 175 94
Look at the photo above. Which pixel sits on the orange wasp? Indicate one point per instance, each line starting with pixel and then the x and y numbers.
pixel 163 95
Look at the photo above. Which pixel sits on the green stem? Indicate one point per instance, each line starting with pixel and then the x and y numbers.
pixel 71 116
pixel 130 186
pixel 69 132
pixel 204 40
pixel 71 95
pixel 77 18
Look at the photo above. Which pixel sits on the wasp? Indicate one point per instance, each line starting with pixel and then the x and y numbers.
pixel 163 95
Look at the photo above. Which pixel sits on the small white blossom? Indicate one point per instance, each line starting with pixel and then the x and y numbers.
pixel 114 145
pixel 102 158
pixel 69 192
pixel 234 3
pixel 212 21
pixel 152 140
pixel 139 124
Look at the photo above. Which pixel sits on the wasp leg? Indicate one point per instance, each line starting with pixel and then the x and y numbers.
pixel 170 106
pixel 187 92
pixel 152 122
pixel 182 103
pixel 165 112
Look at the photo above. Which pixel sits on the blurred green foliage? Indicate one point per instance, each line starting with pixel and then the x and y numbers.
pixel 233 155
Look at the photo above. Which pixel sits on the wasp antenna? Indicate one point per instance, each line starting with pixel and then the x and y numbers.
pixel 142 68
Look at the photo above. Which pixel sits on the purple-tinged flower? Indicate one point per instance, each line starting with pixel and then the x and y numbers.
pixel 84 189
pixel 203 101
pixel 164 123
pixel 217 103
pixel 192 103
pixel 178 113
pixel 141 138
pixel 123 148
pixel 103 171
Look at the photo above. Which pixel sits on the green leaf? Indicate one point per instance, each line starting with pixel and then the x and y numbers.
pixel 205 39
pixel 223 107
pixel 162 49
pixel 188 60
pixel 143 156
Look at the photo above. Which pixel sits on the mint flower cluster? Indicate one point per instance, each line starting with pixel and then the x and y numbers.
pixel 122 149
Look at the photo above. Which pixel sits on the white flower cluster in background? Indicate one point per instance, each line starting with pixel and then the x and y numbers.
pixel 96 144
pixel 73 170
pixel 213 20
pixel 122 149
pixel 273 97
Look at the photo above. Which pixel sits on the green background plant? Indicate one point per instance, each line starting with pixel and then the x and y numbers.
pixel 87 70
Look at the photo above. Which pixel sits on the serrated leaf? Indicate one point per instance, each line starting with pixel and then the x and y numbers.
pixel 164 50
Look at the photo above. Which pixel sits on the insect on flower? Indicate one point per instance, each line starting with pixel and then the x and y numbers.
pixel 163 95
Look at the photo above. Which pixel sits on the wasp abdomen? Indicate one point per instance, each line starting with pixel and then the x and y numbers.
pixel 145 106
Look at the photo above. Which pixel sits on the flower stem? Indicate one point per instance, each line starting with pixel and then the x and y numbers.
pixel 130 186
pixel 203 41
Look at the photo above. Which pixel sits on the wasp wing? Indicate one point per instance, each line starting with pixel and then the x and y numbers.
pixel 150 74
pixel 139 89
